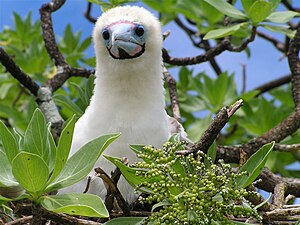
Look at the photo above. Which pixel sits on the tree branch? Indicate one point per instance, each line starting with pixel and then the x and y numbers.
pixel 48 34
pixel 17 73
pixel 224 45
pixel 294 63
pixel 87 13
pixel 171 82
pixel 273 84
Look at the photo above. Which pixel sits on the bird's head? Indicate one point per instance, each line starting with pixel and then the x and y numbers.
pixel 127 32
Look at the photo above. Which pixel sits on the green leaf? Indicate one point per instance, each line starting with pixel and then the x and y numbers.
pixel 31 172
pixel 126 221
pixel 76 204
pixel 254 165
pixel 65 102
pixel 6 177
pixel 247 5
pixel 82 162
pixel 226 9
pixel 222 32
pixel 128 172
pixel 9 142
pixel 11 192
pixel 212 151
pixel 3 199
pixel 35 139
pixel 259 11
pixel 63 148
pixel 282 17
pixel 281 29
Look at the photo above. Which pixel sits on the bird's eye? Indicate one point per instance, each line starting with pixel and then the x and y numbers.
pixel 139 30
pixel 105 34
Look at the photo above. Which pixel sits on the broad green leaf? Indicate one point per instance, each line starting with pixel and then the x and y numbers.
pixel 31 171
pixel 222 32
pixel 254 165
pixel 226 9
pixel 281 29
pixel 6 177
pixel 126 221
pixel 247 5
pixel 63 148
pixel 82 162
pixel 9 142
pixel 35 139
pixel 128 172
pixel 282 17
pixel 76 204
pixel 259 11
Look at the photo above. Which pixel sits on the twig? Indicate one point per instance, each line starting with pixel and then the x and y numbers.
pixel 277 44
pixel 113 191
pixel 224 45
pixel 294 63
pixel 273 84
pixel 48 34
pixel 287 148
pixel 269 181
pixel 87 13
pixel 20 221
pixel 279 195
pixel 214 129
pixel 171 82
pixel 257 199
pixel 17 73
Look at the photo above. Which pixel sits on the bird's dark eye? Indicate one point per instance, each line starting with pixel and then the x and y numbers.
pixel 139 30
pixel 105 34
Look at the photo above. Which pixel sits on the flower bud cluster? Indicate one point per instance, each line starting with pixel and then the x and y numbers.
pixel 191 190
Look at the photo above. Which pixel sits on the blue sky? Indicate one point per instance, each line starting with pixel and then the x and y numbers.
pixel 264 64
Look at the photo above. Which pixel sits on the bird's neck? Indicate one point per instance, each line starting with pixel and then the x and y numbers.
pixel 130 87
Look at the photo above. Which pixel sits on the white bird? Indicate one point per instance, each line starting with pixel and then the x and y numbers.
pixel 128 95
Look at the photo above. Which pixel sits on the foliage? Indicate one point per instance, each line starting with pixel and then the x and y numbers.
pixel 34 166
pixel 190 190
pixel 200 96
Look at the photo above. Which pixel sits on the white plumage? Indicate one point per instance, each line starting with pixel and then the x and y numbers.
pixel 128 95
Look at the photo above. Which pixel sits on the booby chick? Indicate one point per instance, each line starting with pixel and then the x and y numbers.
pixel 128 95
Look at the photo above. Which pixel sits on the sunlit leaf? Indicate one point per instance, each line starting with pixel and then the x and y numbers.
pixel 31 172
pixel 82 162
pixel 254 165
pixel 76 204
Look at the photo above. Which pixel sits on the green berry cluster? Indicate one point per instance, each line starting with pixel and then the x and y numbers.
pixel 189 189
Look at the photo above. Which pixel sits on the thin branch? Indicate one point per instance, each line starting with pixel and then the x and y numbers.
pixel 277 44
pixel 87 13
pixel 294 63
pixel 214 129
pixel 273 84
pixel 60 78
pixel 279 195
pixel 20 221
pixel 48 34
pixel 171 82
pixel 224 45
pixel 113 191
pixel 287 148
pixel 17 73
pixel 269 181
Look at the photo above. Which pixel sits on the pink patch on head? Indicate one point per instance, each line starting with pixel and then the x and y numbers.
pixel 121 22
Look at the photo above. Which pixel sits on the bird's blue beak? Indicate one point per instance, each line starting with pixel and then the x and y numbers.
pixel 124 40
